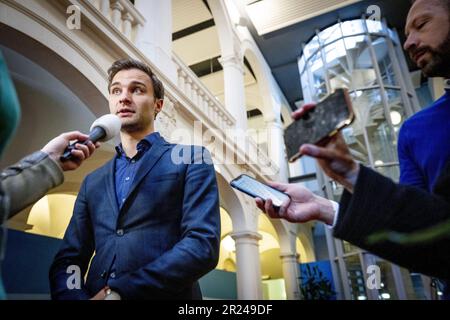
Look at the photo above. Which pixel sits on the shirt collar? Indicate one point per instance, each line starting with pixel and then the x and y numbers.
pixel 143 145
pixel 447 85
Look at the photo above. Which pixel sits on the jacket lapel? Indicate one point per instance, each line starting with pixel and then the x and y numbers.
pixel 147 163
pixel 111 186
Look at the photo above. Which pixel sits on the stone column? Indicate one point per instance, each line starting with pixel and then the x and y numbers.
pixel 276 147
pixel 127 25
pixel 291 275
pixel 233 68
pixel 116 16
pixel 104 7
pixel 248 268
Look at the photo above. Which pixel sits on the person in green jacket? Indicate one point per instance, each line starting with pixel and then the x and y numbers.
pixel 27 181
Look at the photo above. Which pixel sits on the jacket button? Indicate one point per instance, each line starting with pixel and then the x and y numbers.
pixel 119 232
pixel 103 274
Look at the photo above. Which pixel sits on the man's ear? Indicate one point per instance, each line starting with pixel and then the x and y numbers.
pixel 159 105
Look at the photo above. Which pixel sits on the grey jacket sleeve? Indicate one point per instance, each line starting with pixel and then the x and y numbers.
pixel 30 179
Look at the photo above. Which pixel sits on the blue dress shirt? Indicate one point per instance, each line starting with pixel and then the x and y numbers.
pixel 126 168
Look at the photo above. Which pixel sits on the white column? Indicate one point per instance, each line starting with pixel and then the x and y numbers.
pixel 276 147
pixel 154 39
pixel 233 68
pixel 208 107
pixel 127 25
pixel 201 101
pixel 116 17
pixel 188 88
pixel 248 267
pixel 215 115
pixel 291 275
pixel 181 80
pixel 195 94
pixel 104 7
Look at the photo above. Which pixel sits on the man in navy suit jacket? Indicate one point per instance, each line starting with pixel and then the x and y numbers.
pixel 152 220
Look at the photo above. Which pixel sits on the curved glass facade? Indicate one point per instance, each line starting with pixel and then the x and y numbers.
pixel 365 57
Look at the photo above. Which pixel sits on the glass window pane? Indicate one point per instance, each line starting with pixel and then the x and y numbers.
pixel 397 113
pixel 330 34
pixel 311 47
pixel 355 277
pixel 334 52
pixel 354 42
pixel 338 71
pixel 318 77
pixel 349 248
pixel 384 149
pixel 301 64
pixel 374 26
pixel 306 82
pixel 385 64
pixel 360 62
pixel 418 287
pixel 350 28
pixel 371 121
pixel 394 37
pixel 396 107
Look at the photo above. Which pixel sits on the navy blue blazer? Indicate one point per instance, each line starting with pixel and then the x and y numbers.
pixel 163 239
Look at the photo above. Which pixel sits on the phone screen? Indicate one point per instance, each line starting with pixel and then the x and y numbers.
pixel 257 189
pixel 331 114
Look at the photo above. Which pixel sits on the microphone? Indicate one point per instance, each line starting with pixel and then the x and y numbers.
pixel 103 129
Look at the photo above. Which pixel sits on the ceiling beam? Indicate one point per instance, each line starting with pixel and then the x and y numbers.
pixel 193 29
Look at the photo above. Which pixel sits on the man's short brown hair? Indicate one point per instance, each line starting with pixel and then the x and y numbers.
pixel 128 64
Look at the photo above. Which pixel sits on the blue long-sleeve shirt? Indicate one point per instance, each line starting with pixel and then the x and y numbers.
pixel 424 144
pixel 424 149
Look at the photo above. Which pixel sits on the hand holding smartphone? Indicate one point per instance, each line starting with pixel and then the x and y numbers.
pixel 317 124
pixel 256 189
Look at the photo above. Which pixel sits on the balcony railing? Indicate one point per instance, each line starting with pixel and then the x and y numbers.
pixel 127 19
pixel 212 108
pixel 122 14
pixel 201 97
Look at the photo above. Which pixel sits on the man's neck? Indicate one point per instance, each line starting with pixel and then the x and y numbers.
pixel 130 141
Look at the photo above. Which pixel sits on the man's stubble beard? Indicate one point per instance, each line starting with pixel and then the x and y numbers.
pixel 135 126
pixel 439 65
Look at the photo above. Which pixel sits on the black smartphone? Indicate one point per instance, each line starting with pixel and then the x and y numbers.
pixel 330 115
pixel 256 189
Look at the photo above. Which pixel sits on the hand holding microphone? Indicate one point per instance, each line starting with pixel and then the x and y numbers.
pixel 70 157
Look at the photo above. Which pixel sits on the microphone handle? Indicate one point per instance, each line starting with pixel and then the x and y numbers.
pixel 96 134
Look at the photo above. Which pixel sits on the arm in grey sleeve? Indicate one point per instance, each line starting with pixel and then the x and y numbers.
pixel 29 180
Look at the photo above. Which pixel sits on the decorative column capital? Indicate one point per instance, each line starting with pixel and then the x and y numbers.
pixel 289 256
pixel 246 235
pixel 233 61
pixel 116 5
pixel 128 17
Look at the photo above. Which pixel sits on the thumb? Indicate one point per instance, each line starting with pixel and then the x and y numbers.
pixel 74 135
pixel 318 152
pixel 279 186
